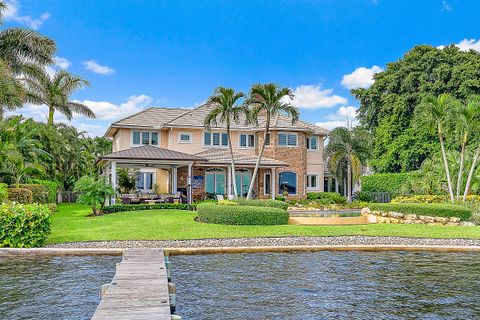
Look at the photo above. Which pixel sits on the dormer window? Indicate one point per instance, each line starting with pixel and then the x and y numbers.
pixel 144 138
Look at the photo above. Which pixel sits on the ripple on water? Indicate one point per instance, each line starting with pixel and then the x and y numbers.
pixel 328 285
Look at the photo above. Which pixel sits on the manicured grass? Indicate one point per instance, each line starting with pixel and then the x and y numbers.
pixel 71 224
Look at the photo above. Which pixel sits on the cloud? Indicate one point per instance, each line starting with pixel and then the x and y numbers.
pixel 360 78
pixel 446 6
pixel 108 111
pixel 339 118
pixel 312 97
pixel 93 66
pixel 11 13
pixel 59 63
pixel 466 44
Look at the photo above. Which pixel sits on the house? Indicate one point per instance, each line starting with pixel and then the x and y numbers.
pixel 174 152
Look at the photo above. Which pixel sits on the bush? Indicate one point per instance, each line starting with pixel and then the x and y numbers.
pixel 263 203
pixel 327 197
pixel 280 198
pixel 52 207
pixel 241 215
pixel 421 199
pixel 3 192
pixel 24 225
pixel 20 195
pixel 52 188
pixel 93 192
pixel 39 192
pixel 425 209
pixel 389 182
pixel 156 206
pixel 227 203
pixel 362 196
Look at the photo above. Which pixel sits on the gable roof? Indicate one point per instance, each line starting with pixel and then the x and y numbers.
pixel 149 152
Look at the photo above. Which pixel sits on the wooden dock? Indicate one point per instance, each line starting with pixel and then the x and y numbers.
pixel 139 289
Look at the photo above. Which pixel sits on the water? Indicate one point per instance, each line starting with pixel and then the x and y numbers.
pixel 328 285
pixel 53 287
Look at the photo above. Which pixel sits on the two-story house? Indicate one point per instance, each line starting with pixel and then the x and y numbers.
pixel 173 151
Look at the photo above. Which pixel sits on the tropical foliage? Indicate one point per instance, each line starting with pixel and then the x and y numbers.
pixel 93 192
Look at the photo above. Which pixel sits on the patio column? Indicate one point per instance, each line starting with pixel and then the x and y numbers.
pixel 189 183
pixel 113 179
pixel 229 181
pixel 272 181
pixel 174 180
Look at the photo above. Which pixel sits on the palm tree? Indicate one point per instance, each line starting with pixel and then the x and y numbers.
pixel 437 112
pixel 226 111
pixel 22 52
pixel 55 93
pixel 268 100
pixel 16 166
pixel 348 149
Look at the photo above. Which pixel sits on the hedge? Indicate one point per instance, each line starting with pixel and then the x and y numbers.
pixel 39 192
pixel 425 209
pixel 3 192
pixel 388 182
pixel 52 188
pixel 432 198
pixel 20 195
pixel 241 215
pixel 24 225
pixel 136 207
pixel 263 203
pixel 327 197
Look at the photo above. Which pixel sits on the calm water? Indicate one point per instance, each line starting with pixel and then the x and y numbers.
pixel 52 288
pixel 328 285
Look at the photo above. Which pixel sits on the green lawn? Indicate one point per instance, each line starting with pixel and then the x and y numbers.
pixel 71 224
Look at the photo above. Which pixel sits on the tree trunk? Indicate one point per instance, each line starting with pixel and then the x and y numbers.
pixel 259 158
pixel 51 111
pixel 470 173
pixel 349 179
pixel 445 162
pixel 460 170
pixel 233 176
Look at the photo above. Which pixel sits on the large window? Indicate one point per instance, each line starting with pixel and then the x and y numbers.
pixel 145 181
pixel 287 182
pixel 312 143
pixel 216 139
pixel 144 138
pixel 215 181
pixel 242 179
pixel 287 139
pixel 247 140
pixel 312 181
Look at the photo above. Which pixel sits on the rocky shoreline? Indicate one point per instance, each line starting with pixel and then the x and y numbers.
pixel 280 241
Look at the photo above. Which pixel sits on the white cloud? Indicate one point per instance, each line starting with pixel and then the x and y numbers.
pixel 93 66
pixel 360 78
pixel 446 6
pixel 312 97
pixel 11 13
pixel 108 111
pixel 466 44
pixel 340 118
pixel 59 63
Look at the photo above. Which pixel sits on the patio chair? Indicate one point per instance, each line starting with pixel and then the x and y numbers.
pixel 220 197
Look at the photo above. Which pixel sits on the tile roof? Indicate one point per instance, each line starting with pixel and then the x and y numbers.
pixel 148 152
pixel 222 156
pixel 152 117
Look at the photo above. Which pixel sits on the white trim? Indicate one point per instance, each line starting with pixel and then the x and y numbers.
pixel 189 134
pixel 265 185
pixel 154 180
pixel 287 133
pixel 211 139
pixel 296 183
pixel 242 170
pixel 248 140
pixel 317 188
pixel 312 136
pixel 159 137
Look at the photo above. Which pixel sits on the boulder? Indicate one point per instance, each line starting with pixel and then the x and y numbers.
pixel 418 221
pixel 451 224
pixel 441 220
pixel 366 211
pixel 427 219
pixel 454 219
pixel 407 221
pixel 396 215
pixel 467 224
pixel 383 220
pixel 435 224
pixel 393 220
pixel 410 217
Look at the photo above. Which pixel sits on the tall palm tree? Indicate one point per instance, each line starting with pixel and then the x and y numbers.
pixel 55 92
pixel 22 52
pixel 268 100
pixel 350 149
pixel 437 112
pixel 226 111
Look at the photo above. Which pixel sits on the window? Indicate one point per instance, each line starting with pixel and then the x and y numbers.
pixel 215 181
pixel 144 138
pixel 267 183
pixel 242 180
pixel 312 143
pixel 145 181
pixel 217 139
pixel 267 140
pixel 247 140
pixel 184 137
pixel 287 182
pixel 312 181
pixel 287 139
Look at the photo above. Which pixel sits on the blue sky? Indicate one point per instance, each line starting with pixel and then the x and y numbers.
pixel 174 53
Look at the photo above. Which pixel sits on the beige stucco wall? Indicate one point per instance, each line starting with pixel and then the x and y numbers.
pixel 315 164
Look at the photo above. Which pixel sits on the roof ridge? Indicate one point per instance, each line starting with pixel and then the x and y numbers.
pixel 132 115
pixel 185 113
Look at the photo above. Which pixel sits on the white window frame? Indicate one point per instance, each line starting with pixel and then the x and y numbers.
pixel 309 147
pixel 265 185
pixel 317 188
pixel 211 139
pixel 189 134
pixel 149 138
pixel 154 180
pixel 248 140
pixel 287 145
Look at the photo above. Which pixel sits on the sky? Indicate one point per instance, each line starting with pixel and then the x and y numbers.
pixel 152 53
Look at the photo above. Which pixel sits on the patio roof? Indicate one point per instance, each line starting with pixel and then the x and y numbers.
pixel 222 156
pixel 148 152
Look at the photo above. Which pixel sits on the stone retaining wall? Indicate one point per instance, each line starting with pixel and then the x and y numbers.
pixel 401 218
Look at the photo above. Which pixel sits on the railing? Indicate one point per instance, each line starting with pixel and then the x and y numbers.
pixel 381 197
pixel 67 197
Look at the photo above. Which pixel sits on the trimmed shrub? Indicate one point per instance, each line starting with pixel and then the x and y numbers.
pixel 263 203
pixel 24 225
pixel 52 207
pixel 241 215
pixel 3 192
pixel 20 195
pixel 425 209
pixel 280 198
pixel 327 197
pixel 52 188
pixel 137 207
pixel 227 203
pixel 388 182
pixel 39 192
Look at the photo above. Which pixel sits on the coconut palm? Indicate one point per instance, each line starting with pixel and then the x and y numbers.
pixel 226 111
pixel 347 149
pixel 55 92
pixel 268 101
